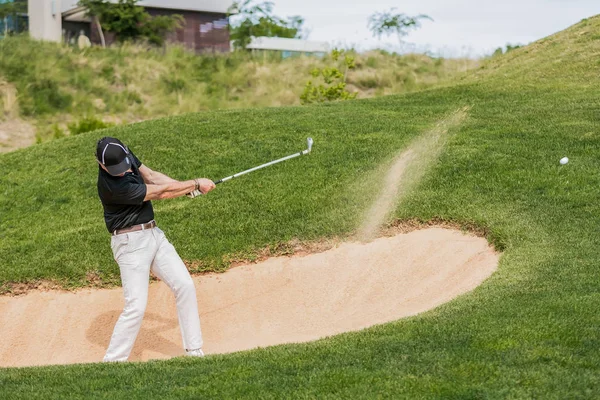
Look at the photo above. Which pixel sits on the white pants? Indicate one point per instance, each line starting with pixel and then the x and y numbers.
pixel 136 253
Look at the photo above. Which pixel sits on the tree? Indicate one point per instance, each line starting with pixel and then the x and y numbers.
pixel 95 9
pixel 155 29
pixel 11 9
pixel 126 19
pixel 130 21
pixel 390 22
pixel 254 20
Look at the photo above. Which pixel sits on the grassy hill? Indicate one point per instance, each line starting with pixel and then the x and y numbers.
pixel 530 331
pixel 52 87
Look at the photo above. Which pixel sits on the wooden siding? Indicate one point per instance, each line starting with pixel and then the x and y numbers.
pixel 206 40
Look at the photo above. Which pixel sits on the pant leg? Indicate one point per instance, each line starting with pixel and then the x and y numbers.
pixel 169 268
pixel 134 253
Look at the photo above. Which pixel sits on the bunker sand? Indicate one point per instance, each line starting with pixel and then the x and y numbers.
pixel 280 300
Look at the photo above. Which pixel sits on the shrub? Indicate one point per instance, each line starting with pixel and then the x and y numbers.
pixel 108 73
pixel 509 47
pixel 372 62
pixel 46 97
pixel 132 97
pixel 173 84
pixel 369 82
pixel 87 124
pixel 57 133
pixel 334 82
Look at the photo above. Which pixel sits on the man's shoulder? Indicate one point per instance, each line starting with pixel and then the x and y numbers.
pixel 136 161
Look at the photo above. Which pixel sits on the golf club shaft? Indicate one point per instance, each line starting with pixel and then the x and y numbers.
pixel 262 166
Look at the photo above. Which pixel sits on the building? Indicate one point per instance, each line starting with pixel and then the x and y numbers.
pixel 205 26
pixel 288 47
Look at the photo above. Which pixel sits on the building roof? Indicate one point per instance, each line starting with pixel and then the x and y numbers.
pixel 285 44
pixel 215 6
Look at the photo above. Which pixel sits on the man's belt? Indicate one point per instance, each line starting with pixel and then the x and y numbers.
pixel 135 228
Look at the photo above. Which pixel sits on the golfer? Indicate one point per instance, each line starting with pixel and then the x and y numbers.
pixel 126 187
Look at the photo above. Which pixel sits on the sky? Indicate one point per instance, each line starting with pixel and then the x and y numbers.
pixel 460 28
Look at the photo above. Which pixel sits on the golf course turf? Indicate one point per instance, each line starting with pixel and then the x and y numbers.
pixel 530 331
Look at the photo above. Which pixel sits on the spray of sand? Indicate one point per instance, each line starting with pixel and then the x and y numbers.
pixel 406 170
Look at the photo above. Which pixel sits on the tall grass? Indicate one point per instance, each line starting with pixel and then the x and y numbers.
pixel 59 85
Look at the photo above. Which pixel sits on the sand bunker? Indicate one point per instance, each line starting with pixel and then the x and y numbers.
pixel 281 300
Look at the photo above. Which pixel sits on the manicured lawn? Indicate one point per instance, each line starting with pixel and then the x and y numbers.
pixel 530 331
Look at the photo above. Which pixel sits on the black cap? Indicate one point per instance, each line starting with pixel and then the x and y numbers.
pixel 114 155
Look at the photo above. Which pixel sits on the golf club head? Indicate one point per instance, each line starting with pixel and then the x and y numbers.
pixel 310 144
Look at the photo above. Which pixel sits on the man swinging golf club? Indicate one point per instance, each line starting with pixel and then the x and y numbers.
pixel 126 188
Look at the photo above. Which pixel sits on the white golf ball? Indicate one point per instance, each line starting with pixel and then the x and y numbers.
pixel 564 160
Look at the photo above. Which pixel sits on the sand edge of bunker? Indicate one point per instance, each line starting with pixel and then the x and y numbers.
pixel 281 300
pixel 291 248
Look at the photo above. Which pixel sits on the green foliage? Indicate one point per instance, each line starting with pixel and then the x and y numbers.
pixel 87 124
pixel 130 21
pixel 133 82
pixel 45 96
pixel 12 8
pixel 372 62
pixel 255 20
pixel 321 93
pixel 95 7
pixel 11 17
pixel 390 22
pixel 124 18
pixel 57 132
pixel 156 29
pixel 333 86
pixel 173 83
pixel 509 47
pixel 132 97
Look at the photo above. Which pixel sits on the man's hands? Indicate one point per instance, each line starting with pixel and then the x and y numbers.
pixel 194 194
pixel 203 186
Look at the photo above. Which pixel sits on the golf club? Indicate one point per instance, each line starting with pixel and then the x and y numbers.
pixel 302 153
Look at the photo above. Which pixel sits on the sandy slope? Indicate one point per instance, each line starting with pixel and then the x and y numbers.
pixel 281 300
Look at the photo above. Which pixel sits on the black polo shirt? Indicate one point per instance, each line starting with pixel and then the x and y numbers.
pixel 123 198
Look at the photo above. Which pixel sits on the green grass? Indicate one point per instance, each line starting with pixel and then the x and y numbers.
pixel 307 198
pixel 530 331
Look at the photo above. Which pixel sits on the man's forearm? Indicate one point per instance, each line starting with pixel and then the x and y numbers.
pixel 169 191
pixel 158 178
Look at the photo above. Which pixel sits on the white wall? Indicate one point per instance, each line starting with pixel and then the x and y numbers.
pixel 45 20
pixel 287 44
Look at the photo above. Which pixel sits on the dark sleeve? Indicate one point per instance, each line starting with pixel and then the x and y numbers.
pixel 128 193
pixel 136 161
